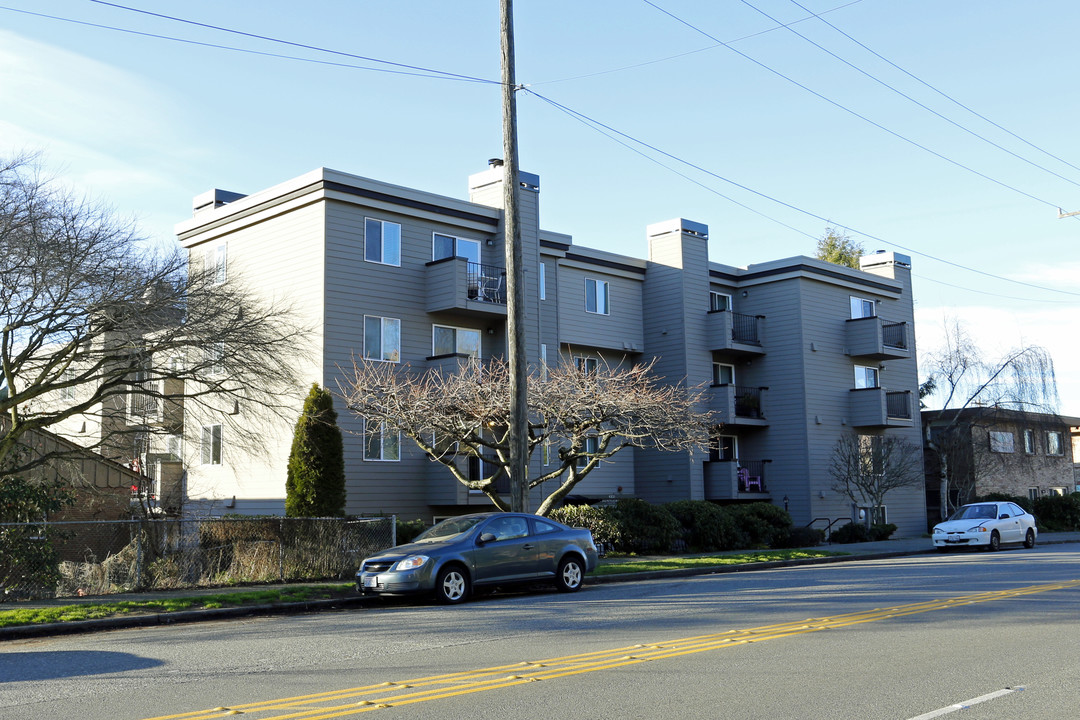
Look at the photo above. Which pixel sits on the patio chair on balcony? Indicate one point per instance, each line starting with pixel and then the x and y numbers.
pixel 490 289
pixel 748 481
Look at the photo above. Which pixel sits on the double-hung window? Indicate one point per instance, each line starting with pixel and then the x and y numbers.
pixel 214 262
pixel 587 365
pixel 719 301
pixel 379 443
pixel 382 242
pixel 866 377
pixel 862 308
pixel 211 445
pixel 1029 442
pixel 382 338
pixel 1054 445
pixel 214 359
pixel 596 296
pixel 447 340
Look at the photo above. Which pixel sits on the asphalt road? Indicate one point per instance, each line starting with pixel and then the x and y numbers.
pixel 902 638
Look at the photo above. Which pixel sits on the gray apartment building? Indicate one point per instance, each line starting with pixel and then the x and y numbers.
pixel 795 353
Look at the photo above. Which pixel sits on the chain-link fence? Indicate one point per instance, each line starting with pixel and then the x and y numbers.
pixel 68 559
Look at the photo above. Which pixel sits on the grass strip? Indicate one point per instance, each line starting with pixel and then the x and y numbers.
pixel 96 610
pixel 630 565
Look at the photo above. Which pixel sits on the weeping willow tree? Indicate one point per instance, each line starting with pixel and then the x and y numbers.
pixel 958 377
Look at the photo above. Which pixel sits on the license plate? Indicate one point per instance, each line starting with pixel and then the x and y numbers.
pixel 371 581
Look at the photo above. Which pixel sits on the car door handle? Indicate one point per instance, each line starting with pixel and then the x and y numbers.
pixel 527 546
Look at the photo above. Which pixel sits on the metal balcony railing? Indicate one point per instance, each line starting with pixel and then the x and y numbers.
pixel 748 402
pixel 751 476
pixel 894 335
pixel 744 329
pixel 898 405
pixel 487 283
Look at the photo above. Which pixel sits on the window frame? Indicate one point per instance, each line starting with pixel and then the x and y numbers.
pixel 1060 452
pixel 1002 441
pixel 862 372
pixel 383 436
pixel 716 366
pixel 456 240
pixel 587 364
pixel 1029 441
pixel 858 312
pixel 457 351
pixel 211 454
pixel 543 281
pixel 713 295
pixel 601 301
pixel 370 222
pixel 382 339
pixel 715 446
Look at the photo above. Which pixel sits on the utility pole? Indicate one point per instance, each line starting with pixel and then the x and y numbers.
pixel 1067 214
pixel 515 295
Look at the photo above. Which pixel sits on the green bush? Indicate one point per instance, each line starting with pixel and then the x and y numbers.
pixel 706 527
pixel 798 537
pixel 1058 513
pixel 851 533
pixel 603 522
pixel 759 523
pixel 315 476
pixel 407 530
pixel 646 528
pixel 881 531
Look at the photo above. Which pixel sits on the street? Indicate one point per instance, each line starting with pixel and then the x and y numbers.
pixel 903 638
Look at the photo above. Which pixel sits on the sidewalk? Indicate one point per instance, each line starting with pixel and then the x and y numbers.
pixel 854 551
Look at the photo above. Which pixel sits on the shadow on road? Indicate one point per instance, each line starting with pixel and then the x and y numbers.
pixel 24 666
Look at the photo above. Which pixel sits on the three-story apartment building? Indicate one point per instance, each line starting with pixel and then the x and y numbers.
pixel 794 353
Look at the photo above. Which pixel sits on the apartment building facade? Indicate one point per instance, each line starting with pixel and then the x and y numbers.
pixel 792 353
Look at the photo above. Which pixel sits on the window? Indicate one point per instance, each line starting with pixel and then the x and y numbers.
pixel 719 301
pixel 543 281
pixel 865 377
pixel 545 454
pixel 723 374
pixel 382 338
pixel 1001 441
pixel 67 393
pixel 379 444
pixel 543 527
pixel 174 446
pixel 587 365
pixel 444 246
pixel 1057 491
pixel 214 261
pixel 862 308
pixel 211 444
pixel 382 242
pixel 451 340
pixel 213 357
pixel 591 446
pixel 1029 442
pixel 1054 445
pixel 596 296
pixel 723 448
pixel 1033 494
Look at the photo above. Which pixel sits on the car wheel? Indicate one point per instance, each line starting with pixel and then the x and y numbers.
pixel 1029 539
pixel 995 541
pixel 451 585
pixel 570 574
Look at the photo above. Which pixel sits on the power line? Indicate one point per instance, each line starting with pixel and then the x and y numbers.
pixel 908 97
pixel 939 92
pixel 808 213
pixel 418 72
pixel 852 112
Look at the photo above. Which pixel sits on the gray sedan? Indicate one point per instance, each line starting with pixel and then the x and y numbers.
pixel 481 550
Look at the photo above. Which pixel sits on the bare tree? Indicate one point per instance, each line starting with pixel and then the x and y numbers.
pixel 836 247
pixel 958 377
pixel 865 468
pixel 578 419
pixel 98 326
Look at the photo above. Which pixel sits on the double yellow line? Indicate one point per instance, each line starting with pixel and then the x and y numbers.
pixel 353 701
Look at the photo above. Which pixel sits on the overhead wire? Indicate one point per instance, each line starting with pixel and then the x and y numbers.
pixel 904 95
pixel 853 112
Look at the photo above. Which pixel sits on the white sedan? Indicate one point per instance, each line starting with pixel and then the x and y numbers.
pixel 987 523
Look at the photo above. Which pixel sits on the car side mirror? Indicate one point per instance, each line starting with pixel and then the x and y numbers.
pixel 485 538
pixel 1004 516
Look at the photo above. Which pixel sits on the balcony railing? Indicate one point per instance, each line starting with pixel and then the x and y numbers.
pixel 894 335
pixel 744 329
pixel 732 479
pixel 486 283
pixel 748 402
pixel 898 405
pixel 751 476
pixel 732 331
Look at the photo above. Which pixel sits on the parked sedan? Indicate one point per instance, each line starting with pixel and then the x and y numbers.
pixel 986 523
pixel 481 550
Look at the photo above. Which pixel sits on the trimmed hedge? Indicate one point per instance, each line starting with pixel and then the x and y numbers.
pixel 646 528
pixel 601 521
pixel 1058 513
pixel 759 523
pixel 706 527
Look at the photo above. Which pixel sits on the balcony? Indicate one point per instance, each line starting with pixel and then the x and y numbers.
pixel 732 331
pixel 738 405
pixel 873 337
pixel 875 407
pixel 735 480
pixel 456 284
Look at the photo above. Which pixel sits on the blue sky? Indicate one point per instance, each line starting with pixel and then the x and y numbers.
pixel 716 91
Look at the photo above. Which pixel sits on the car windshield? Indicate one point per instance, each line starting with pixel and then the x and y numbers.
pixel 448 528
pixel 975 512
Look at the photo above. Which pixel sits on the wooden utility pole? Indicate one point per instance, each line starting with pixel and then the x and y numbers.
pixel 515 295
